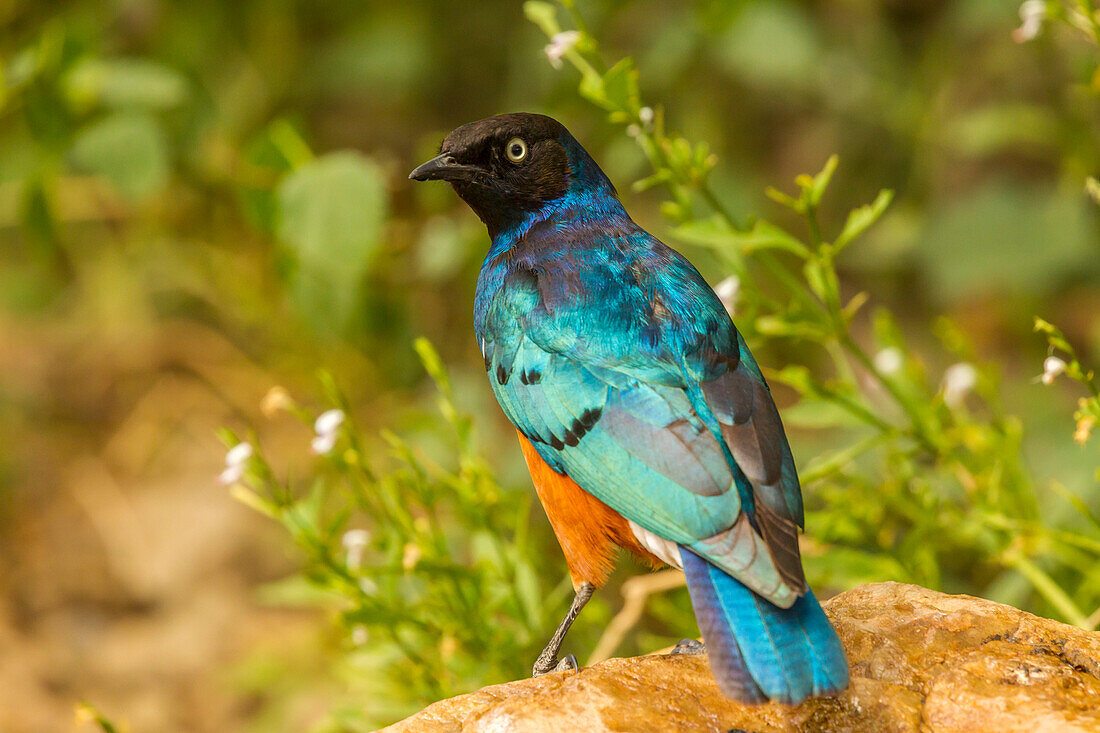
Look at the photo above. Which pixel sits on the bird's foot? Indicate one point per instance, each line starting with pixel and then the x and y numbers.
pixel 689 646
pixel 546 664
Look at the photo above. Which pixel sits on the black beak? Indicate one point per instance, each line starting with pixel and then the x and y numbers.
pixel 444 167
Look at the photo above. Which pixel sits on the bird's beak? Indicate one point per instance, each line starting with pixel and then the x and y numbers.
pixel 444 167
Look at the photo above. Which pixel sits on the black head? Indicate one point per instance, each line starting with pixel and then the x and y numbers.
pixel 507 166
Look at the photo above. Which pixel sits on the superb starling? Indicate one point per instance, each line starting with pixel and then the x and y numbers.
pixel 645 421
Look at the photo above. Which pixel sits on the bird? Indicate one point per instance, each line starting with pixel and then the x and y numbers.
pixel 645 422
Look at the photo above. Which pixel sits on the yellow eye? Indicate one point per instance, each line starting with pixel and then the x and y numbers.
pixel 516 150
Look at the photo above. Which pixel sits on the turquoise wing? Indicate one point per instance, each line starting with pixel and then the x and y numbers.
pixel 704 464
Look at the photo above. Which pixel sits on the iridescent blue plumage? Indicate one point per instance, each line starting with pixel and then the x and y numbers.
pixel 612 355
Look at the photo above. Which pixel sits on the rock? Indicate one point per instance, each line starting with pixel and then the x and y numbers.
pixel 921 661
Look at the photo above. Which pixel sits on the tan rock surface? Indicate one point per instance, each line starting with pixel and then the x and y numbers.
pixel 921 661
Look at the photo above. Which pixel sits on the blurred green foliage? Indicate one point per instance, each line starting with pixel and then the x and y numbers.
pixel 242 166
pixel 439 583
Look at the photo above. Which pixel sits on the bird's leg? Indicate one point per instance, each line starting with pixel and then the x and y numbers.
pixel 548 660
pixel 689 646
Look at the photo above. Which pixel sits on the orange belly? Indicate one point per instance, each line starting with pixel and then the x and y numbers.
pixel 589 531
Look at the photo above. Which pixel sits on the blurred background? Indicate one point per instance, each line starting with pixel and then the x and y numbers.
pixel 201 200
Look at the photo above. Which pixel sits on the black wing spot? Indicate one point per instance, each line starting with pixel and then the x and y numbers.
pixel 534 376
pixel 502 374
pixel 578 429
pixel 590 416
pixel 556 443
pixel 571 438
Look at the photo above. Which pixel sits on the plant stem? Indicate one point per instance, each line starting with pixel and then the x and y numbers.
pixel 1046 586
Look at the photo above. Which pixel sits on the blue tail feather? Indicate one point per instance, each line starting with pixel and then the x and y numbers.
pixel 758 651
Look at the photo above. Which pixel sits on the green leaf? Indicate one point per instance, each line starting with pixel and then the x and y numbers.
pixel 717 234
pixel 1054 336
pixel 616 90
pixel 277 149
pixel 815 278
pixel 796 377
pixel 544 15
pixel 816 414
pixel 433 365
pixel 127 149
pixel 711 232
pixel 621 85
pixel 305 513
pixel 780 326
pixel 250 498
pixel 784 200
pixel 827 464
pixel 765 235
pixel 659 178
pixel 121 83
pixel 821 180
pixel 591 88
pixel 857 301
pixel 330 216
pixel 860 219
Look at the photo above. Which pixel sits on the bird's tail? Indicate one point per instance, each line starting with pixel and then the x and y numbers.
pixel 758 651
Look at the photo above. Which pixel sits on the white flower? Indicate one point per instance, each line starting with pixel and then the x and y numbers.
pixel 328 421
pixel 889 360
pixel 633 130
pixel 1052 367
pixel 231 475
pixel 354 541
pixel 359 635
pixel 327 426
pixel 958 380
pixel 323 444
pixel 1032 14
pixel 356 538
pixel 729 291
pixel 235 460
pixel 238 454
pixel 645 114
pixel 559 45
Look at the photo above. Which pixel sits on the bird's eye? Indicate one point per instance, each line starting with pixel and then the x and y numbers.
pixel 516 150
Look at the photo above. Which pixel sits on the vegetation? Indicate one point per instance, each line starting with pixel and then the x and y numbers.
pixel 202 165
pixel 927 485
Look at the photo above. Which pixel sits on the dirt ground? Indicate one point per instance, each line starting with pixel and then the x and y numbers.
pixel 129 574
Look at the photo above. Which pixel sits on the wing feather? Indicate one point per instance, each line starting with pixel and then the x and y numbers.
pixel 646 396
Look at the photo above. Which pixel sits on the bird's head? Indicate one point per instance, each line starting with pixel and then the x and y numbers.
pixel 510 166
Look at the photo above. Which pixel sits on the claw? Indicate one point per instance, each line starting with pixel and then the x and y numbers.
pixel 689 646
pixel 567 664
